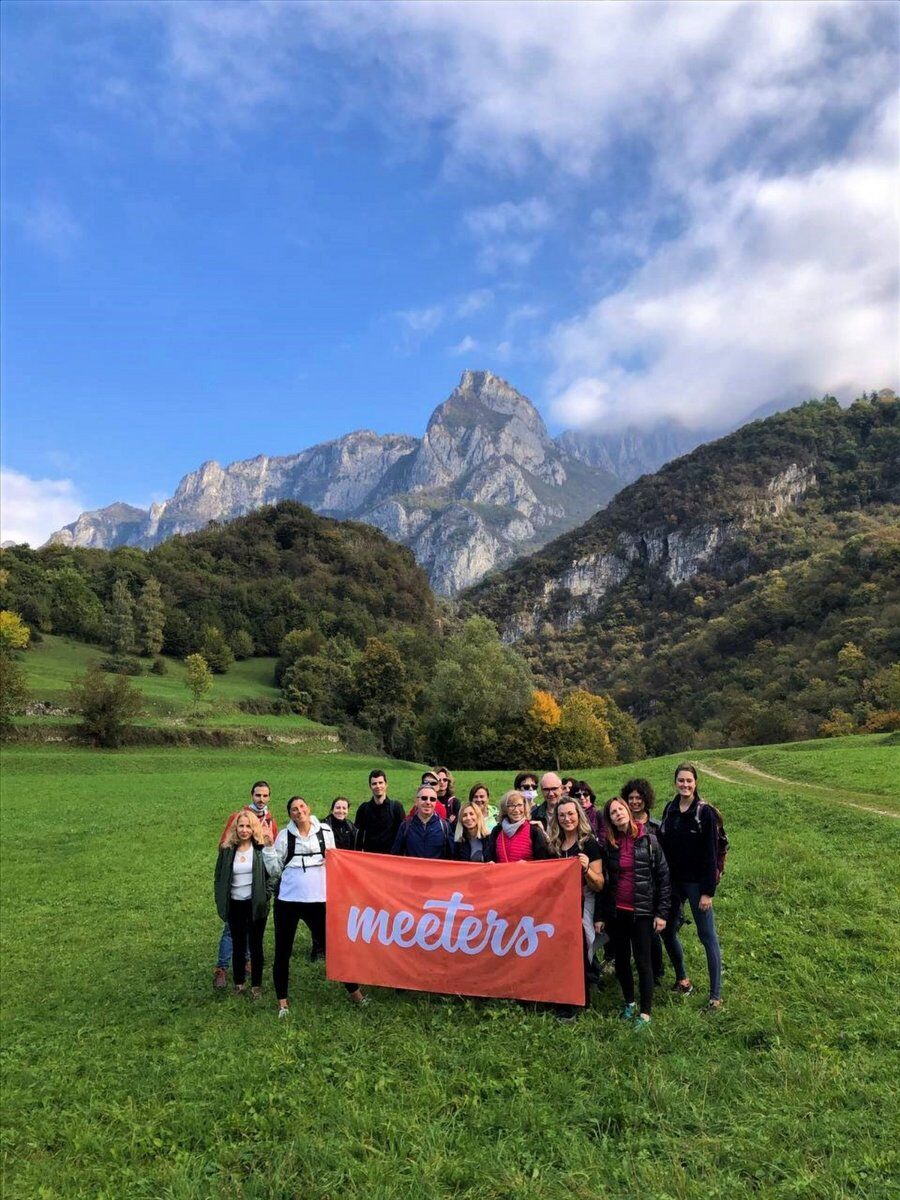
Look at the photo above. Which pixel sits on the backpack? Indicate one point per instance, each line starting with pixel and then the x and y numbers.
pixel 292 853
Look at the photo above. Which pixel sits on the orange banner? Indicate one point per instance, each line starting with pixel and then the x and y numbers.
pixel 498 929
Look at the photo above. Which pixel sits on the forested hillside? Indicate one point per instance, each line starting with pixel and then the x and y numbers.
pixel 748 592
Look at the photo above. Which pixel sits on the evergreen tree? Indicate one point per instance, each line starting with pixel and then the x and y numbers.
pixel 151 617
pixel 121 619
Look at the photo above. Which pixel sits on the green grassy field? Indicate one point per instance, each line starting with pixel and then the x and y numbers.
pixel 125 1075
pixel 51 665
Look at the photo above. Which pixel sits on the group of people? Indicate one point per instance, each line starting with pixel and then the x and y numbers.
pixel 638 873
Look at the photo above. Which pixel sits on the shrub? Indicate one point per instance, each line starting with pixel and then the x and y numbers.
pixel 159 667
pixel 13 691
pixel 107 706
pixel 120 664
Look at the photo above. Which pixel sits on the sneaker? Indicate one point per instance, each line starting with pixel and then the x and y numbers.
pixel 256 993
pixel 711 1006
pixel 683 987
pixel 628 1012
pixel 283 1011
pixel 220 977
pixel 359 998
pixel 641 1022
pixel 240 988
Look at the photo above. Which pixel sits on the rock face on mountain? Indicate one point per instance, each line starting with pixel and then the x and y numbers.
pixel 484 484
pixel 668 527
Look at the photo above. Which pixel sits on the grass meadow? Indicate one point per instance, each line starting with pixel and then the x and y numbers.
pixel 125 1075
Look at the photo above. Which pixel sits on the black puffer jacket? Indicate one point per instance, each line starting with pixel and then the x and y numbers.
pixel 652 891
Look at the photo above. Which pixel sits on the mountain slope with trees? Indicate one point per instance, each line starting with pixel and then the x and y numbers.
pixel 748 592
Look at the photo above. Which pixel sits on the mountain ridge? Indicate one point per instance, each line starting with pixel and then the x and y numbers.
pixel 483 483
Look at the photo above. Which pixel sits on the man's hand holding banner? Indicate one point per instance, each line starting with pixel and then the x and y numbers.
pixel 507 930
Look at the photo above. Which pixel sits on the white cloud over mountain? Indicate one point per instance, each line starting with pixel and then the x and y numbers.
pixel 32 509
pixel 765 132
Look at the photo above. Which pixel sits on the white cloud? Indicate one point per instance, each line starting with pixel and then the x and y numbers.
pixel 32 509
pixel 465 346
pixel 508 234
pixel 779 285
pixel 474 302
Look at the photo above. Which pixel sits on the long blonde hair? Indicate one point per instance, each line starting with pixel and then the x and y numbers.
pixel 481 829
pixel 555 835
pixel 256 828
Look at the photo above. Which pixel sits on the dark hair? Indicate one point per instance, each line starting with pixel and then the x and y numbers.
pixel 291 801
pixel 568 779
pixel 687 766
pixel 521 777
pixel 644 787
pixel 335 801
pixel 582 785
pixel 377 773
pixel 475 787
pixel 259 783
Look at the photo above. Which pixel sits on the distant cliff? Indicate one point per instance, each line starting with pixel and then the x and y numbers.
pixel 484 483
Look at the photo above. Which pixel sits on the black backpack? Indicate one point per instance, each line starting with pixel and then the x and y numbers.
pixel 292 853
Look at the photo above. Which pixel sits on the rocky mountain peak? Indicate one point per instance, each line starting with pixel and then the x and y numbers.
pixel 484 483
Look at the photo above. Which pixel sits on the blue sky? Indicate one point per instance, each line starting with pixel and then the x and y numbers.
pixel 232 229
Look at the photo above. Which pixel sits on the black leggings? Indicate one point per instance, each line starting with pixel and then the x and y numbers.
pixel 288 915
pixel 631 933
pixel 246 941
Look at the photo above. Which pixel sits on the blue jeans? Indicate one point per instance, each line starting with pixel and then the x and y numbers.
pixel 706 931
pixel 225 950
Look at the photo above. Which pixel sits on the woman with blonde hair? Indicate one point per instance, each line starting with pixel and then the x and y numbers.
pixel 570 836
pixel 470 842
pixel 517 838
pixel 242 885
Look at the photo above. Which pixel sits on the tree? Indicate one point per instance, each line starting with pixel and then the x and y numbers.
pixel 479 694
pixel 584 739
pixel 14 633
pixel 107 705
pixel 151 617
pixel 624 735
pixel 381 698
pixel 538 743
pixel 242 644
pixel 13 691
pixel 121 619
pixel 215 650
pixel 198 677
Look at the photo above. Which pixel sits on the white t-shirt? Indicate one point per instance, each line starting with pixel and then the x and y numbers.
pixel 242 875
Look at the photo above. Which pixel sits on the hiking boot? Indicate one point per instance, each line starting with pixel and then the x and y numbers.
pixel 220 977
pixel 711 1007
pixel 683 987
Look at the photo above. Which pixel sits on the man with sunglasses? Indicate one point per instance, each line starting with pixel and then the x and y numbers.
pixel 425 834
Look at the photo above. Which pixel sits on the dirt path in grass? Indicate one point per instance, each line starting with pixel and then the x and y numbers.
pixel 745 768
